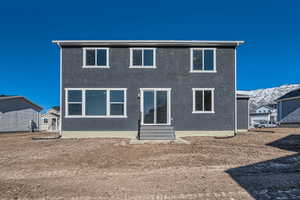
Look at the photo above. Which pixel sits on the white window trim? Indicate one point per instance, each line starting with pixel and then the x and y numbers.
pixel 95 66
pixel 72 102
pixel 212 100
pixel 142 90
pixel 142 66
pixel 192 61
pixel 83 114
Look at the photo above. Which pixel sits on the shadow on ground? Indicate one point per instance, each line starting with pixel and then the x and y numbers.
pixel 273 179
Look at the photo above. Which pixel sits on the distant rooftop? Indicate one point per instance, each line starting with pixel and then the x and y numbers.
pixel 8 97
pixel 57 108
pixel 292 94
pixel 2 96
pixel 270 106
pixel 242 94
pixel 253 113
pixel 191 43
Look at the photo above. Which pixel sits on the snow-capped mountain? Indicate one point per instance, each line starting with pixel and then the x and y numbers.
pixel 266 96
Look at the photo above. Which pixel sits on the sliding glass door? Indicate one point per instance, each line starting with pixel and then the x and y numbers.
pixel 155 106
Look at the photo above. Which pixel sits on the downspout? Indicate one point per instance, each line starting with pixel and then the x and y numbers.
pixel 235 96
pixel 60 89
pixel 139 119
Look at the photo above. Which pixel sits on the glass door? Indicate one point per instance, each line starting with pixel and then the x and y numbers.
pixel 155 106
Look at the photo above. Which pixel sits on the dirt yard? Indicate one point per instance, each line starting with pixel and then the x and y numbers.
pixel 254 165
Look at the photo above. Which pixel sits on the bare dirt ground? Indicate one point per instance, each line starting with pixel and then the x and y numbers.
pixel 254 165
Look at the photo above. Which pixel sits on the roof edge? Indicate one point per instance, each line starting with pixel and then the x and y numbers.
pixel 148 42
pixel 287 99
pixel 24 99
pixel 30 102
pixel 266 107
pixel 259 113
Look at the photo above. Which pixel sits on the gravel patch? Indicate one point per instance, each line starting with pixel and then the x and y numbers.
pixel 254 165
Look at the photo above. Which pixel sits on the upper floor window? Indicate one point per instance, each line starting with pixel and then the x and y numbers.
pixel 96 57
pixel 203 60
pixel 96 102
pixel 142 58
pixel 203 100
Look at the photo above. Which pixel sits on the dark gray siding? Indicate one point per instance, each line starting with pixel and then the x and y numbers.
pixel 284 108
pixel 242 113
pixel 173 66
pixel 15 115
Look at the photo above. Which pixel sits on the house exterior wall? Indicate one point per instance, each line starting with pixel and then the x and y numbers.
pixel 53 122
pixel 15 115
pixel 43 126
pixel 273 112
pixel 255 118
pixel 173 71
pixel 242 114
pixel 273 116
pixel 284 108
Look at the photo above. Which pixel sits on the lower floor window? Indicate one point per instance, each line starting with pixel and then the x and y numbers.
pixel 203 100
pixel 74 102
pixel 116 102
pixel 111 102
pixel 95 102
pixel 104 102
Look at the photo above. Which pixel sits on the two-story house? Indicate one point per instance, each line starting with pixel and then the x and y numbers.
pixel 150 89
pixel 264 114
pixel 50 120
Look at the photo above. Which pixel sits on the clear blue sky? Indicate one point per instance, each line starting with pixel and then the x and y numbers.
pixel 29 63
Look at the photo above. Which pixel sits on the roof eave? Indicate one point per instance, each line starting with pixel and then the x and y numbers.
pixel 24 99
pixel 287 98
pixel 30 102
pixel 242 96
pixel 190 43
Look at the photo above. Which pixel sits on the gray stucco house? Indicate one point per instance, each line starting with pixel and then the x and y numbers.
pixel 150 89
pixel 18 114
pixel 288 109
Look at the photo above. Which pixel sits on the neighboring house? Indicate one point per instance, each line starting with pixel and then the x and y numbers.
pixel 18 114
pixel 288 107
pixel 265 113
pixel 149 89
pixel 257 118
pixel 242 111
pixel 271 109
pixel 50 120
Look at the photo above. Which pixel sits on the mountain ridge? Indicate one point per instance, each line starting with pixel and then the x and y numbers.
pixel 265 96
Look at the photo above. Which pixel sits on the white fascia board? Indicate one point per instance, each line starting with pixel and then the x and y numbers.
pixel 147 42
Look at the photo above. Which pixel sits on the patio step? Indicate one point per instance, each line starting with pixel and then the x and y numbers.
pixel 157 133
